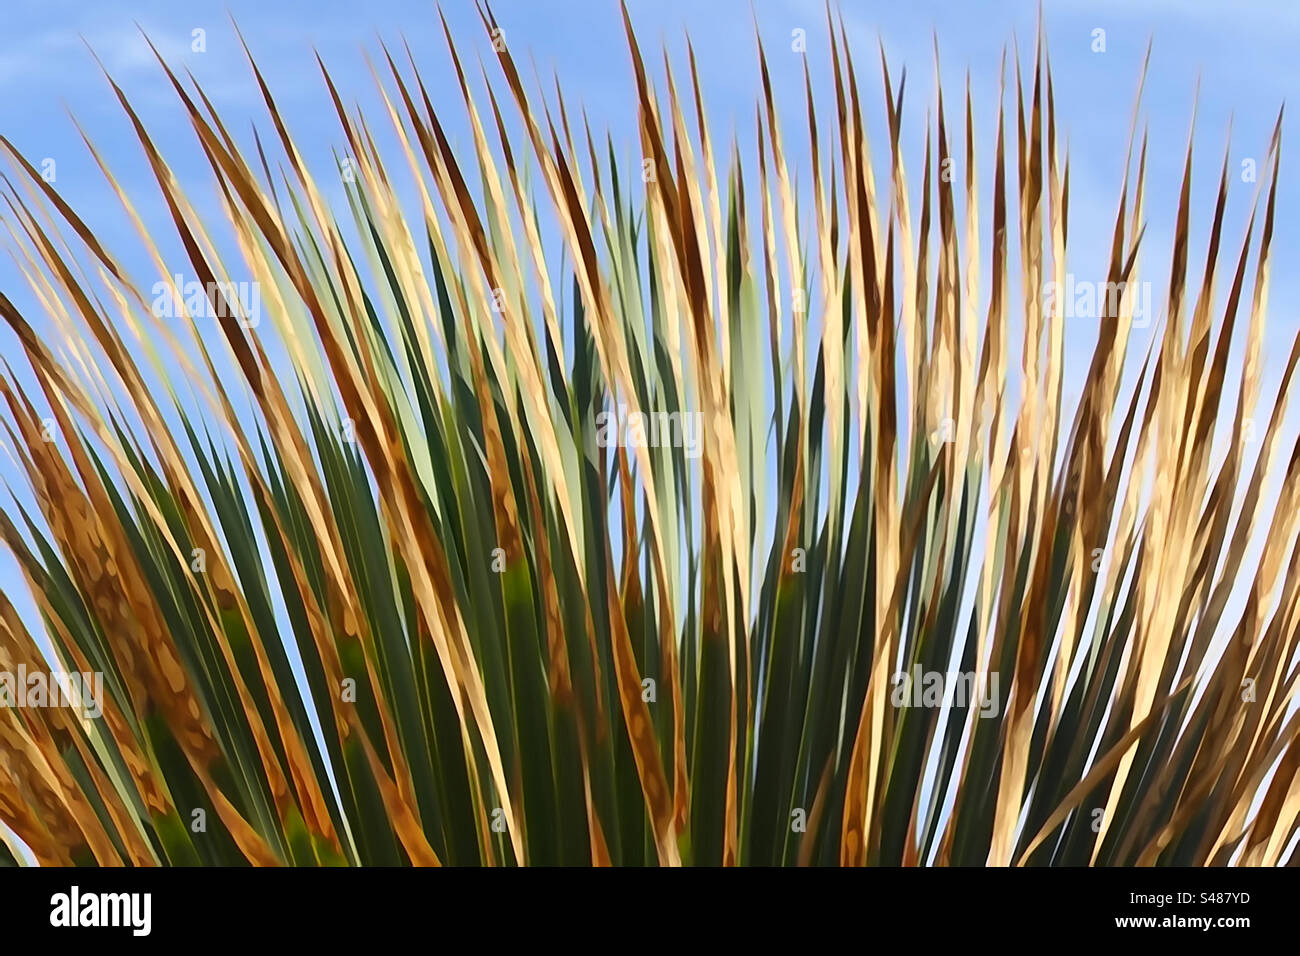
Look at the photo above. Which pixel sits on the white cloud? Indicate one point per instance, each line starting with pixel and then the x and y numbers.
pixel 123 51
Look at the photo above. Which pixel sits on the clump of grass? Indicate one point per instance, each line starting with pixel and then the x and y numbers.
pixel 368 585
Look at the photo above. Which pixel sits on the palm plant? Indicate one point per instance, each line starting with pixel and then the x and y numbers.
pixel 369 582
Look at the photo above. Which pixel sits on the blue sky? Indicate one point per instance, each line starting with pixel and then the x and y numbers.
pixel 1242 54
pixel 1245 59
pixel 1242 57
